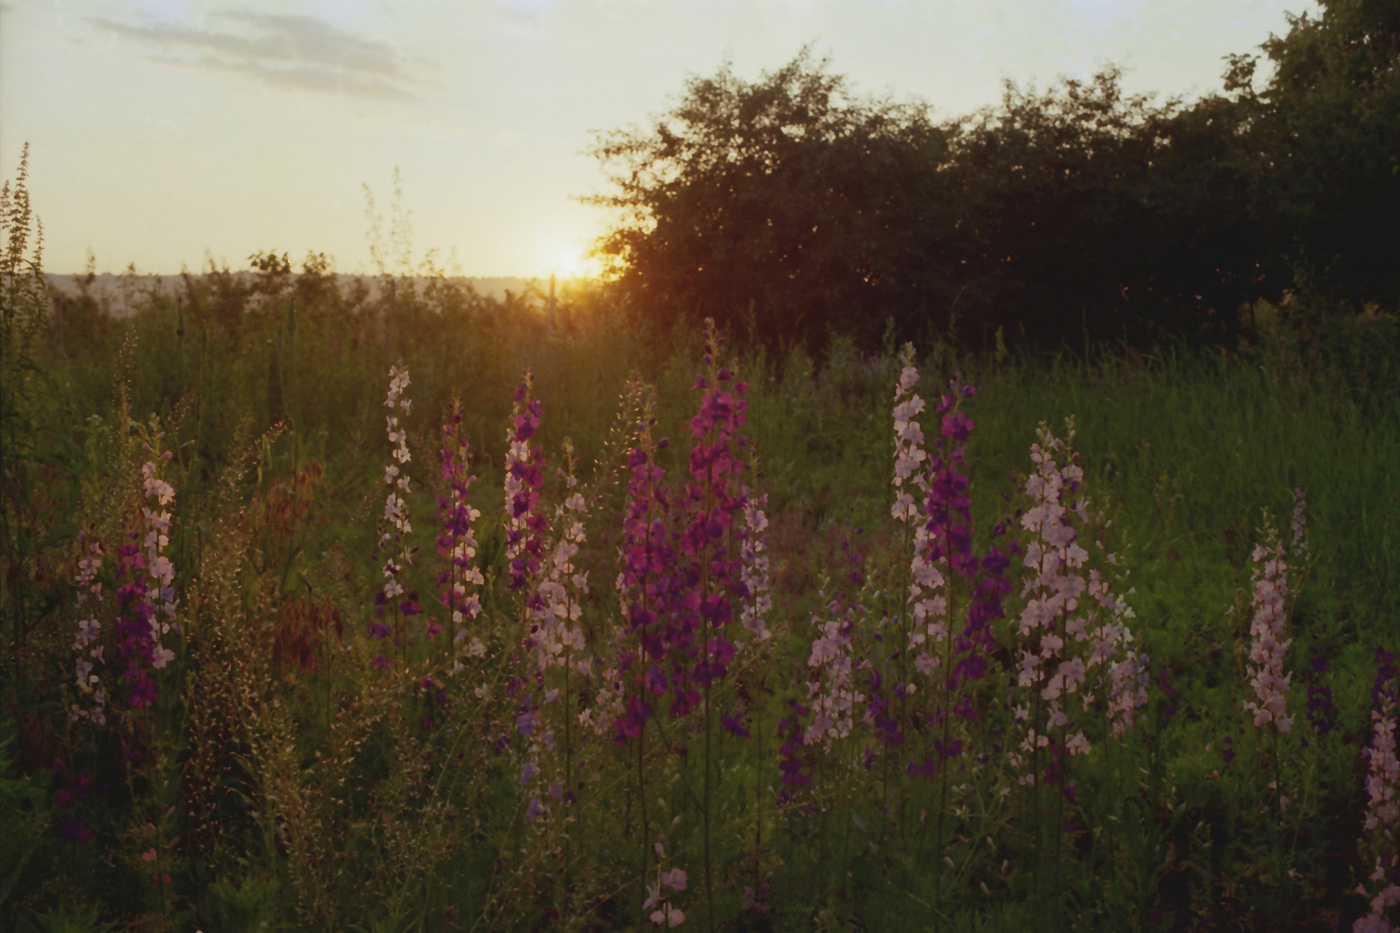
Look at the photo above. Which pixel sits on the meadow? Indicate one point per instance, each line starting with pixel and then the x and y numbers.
pixel 334 610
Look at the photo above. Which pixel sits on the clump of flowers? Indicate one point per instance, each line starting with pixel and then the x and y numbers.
pixel 396 526
pixel 833 694
pixel 1066 638
pixel 1382 826
pixel 146 602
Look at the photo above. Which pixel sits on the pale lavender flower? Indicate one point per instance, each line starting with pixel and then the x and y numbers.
pixel 833 696
pixel 1074 645
pixel 555 630
pixel 1382 826
pixel 1299 549
pixel 89 630
pixel 909 453
pixel 159 570
pixel 396 525
pixel 753 566
pixel 1267 629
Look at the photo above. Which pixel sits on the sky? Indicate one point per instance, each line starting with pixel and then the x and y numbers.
pixel 169 133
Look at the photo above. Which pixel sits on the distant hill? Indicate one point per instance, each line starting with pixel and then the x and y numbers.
pixel 123 292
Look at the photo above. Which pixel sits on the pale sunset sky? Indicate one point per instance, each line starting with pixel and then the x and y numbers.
pixel 168 131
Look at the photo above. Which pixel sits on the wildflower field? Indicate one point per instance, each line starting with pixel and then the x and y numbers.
pixel 323 612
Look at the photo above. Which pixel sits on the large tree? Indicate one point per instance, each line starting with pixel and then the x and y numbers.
pixel 788 204
pixel 1326 150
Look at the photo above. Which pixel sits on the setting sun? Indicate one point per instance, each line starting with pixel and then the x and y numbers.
pixel 567 260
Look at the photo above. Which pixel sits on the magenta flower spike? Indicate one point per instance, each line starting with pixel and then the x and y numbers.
pixel 715 497
pixel 646 586
pixel 145 601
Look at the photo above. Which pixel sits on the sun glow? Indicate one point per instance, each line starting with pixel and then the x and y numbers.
pixel 567 260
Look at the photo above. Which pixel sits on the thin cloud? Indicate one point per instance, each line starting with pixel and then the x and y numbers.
pixel 285 51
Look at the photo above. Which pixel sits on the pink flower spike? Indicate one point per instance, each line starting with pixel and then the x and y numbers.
pixel 1269 647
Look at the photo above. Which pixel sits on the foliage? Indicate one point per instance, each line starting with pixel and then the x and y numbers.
pixel 791 206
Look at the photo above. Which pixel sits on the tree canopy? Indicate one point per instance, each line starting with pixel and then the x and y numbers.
pixel 792 208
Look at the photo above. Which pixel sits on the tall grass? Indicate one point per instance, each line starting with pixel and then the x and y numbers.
pixel 622 730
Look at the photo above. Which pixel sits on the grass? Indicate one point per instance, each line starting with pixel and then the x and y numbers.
pixel 281 782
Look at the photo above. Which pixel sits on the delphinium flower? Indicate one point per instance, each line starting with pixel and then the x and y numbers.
pixel 1321 710
pixel 132 627
pixel 525 528
pixel 160 571
pixel 792 764
pixel 944 546
pixel 925 601
pixel 1267 629
pixel 714 496
pixel 1111 634
pixel 555 628
pixel 457 541
pixel 1299 548
pixel 753 561
pixel 89 596
pixel 646 586
pixel 393 536
pixel 146 601
pixel 1129 676
pixel 832 693
pixel 524 476
pixel 663 913
pixel 1055 557
pixel 709 558
pixel 556 632
pixel 1382 825
pixel 1072 646
pixel 909 454
pixel 74 791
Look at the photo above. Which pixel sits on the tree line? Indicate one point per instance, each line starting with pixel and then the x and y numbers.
pixel 791 208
